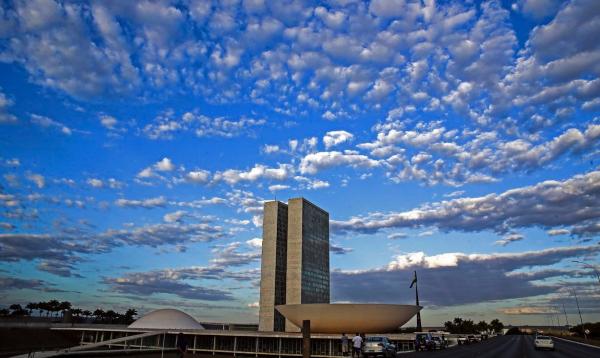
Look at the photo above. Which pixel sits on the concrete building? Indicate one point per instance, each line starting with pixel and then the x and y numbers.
pixel 273 266
pixel 295 260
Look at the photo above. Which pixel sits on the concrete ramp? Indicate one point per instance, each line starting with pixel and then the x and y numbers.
pixel 87 347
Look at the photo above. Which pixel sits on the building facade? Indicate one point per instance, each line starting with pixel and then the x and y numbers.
pixel 273 266
pixel 298 232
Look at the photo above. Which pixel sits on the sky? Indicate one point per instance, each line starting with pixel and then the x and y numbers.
pixel 139 140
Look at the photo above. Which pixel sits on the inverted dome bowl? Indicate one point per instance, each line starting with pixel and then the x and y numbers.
pixel 349 317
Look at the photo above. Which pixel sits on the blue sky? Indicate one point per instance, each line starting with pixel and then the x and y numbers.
pixel 138 141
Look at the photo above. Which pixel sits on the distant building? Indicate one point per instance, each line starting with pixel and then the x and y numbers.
pixel 295 259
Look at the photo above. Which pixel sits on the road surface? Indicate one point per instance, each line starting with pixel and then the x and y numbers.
pixel 509 347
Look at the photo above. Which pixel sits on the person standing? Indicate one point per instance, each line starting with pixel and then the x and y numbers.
pixel 182 345
pixel 344 345
pixel 357 345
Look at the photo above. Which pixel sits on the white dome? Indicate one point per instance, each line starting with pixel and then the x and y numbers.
pixel 167 318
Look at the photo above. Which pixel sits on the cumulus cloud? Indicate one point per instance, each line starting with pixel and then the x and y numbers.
pixel 150 283
pixel 167 124
pixel 278 187
pixel 11 283
pixel 339 250
pixel 509 239
pixel 361 64
pixel 259 171
pixel 46 122
pixel 175 216
pixel 397 235
pixel 549 204
pixel 178 281
pixel 58 268
pixel 14 283
pixel 557 232
pixel 334 138
pixel 95 183
pixel 164 165
pixel 255 243
pixel 270 148
pixel 59 253
pixel 486 272
pixel 315 162
pixel 37 179
pixel 529 310
pixel 108 122
pixel 229 255
pixel 159 201
pixel 198 176
pixel 5 102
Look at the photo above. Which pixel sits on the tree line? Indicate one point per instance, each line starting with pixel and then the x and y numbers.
pixel 463 326
pixel 55 308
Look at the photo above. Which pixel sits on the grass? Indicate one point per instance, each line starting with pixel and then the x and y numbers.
pixel 593 342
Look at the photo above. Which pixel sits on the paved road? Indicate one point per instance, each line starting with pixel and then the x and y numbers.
pixel 510 347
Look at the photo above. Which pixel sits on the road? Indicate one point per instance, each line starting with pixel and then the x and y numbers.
pixel 509 347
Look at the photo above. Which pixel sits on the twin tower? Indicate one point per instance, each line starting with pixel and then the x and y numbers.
pixel 295 260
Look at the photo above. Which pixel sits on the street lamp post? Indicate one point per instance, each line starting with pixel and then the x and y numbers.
pixel 580 318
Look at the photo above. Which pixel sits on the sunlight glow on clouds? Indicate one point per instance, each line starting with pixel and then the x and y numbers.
pixel 457 139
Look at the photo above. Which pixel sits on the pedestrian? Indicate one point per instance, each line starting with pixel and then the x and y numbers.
pixel 344 345
pixel 182 345
pixel 357 345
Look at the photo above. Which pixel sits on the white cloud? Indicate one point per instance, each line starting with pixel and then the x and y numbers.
pixel 146 173
pixel 334 138
pixel 198 176
pixel 509 239
pixel 539 8
pixel 329 116
pixel 145 203
pixel 167 124
pixel 175 216
pixel 278 187
pixel 108 121
pixel 269 149
pixel 259 171
pixel 115 184
pixel 95 183
pixel 37 179
pixel 164 165
pixel 397 235
pixel 548 204
pixel 46 122
pixel 5 102
pixel 318 184
pixel 529 310
pixel 315 162
pixel 255 243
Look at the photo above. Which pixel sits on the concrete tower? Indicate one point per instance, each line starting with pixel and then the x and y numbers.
pixel 273 266
pixel 295 259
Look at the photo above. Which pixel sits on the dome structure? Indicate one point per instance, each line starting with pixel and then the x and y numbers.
pixel 167 318
pixel 349 317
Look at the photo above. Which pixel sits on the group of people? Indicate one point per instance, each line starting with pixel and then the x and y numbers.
pixel 357 344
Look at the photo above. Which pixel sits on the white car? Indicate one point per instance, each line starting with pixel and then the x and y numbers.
pixel 375 346
pixel 543 342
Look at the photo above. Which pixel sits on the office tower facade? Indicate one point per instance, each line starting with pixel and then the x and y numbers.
pixel 273 266
pixel 298 232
